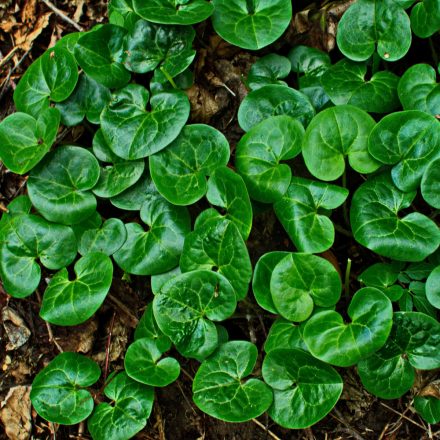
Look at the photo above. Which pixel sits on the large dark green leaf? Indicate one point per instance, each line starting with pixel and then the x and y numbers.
pixel 428 407
pixel 425 18
pixel 305 59
pixel 433 287
pixel 59 187
pixel 374 218
pixel 270 69
pixel 430 185
pixel 132 132
pixel 220 388
pixel 285 335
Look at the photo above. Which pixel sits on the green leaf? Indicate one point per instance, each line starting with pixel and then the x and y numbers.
pixel 374 218
pixel 180 170
pixel 128 415
pixel 116 178
pixel 227 190
pixel 368 23
pixel 433 287
pixel 274 100
pixel 58 393
pixel 418 89
pixel 220 389
pixel 157 281
pixel 158 249
pixel 305 389
pixel 101 150
pixel 383 276
pixel 259 152
pixel 149 46
pixel 100 54
pixel 218 245
pixel 332 135
pixel 186 306
pixel 106 238
pixel 302 212
pixel 92 222
pixel 331 340
pixel 408 140
pixel 428 407
pixel 270 69
pixel 52 77
pixel 19 205
pixel 284 335
pixel 87 101
pixel 419 271
pixel 345 83
pixel 173 11
pixel 301 281
pixel 311 86
pixel 68 302
pixel 143 363
pixel 132 132
pixel 430 184
pixel 24 140
pixel 425 18
pixel 59 187
pixel 251 24
pixel 69 41
pixel 261 279
pixel 30 237
pixel 306 59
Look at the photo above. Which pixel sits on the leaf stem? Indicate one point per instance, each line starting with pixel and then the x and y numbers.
pixel 347 278
pixel 344 206
pixel 433 52
pixel 168 77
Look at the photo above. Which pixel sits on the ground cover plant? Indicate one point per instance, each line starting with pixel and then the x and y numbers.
pixel 337 148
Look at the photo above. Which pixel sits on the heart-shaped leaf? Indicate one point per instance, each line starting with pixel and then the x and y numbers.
pixel 132 132
pixel 158 249
pixel 251 24
pixel 92 222
pixel 274 100
pixel 368 23
pixel 220 388
pixel 285 335
pixel 87 101
pixel 413 343
pixel 433 287
pixel 332 135
pixel 311 86
pixel 180 170
pixel 300 213
pixel 128 414
pixel 331 340
pixel 120 10
pixel 30 237
pixel 106 238
pixel 430 185
pixel 218 245
pixel 304 388
pixel 260 151
pixel 345 83
pixel 52 77
pixel 143 363
pixel 24 140
pixel 408 140
pixel 425 18
pixel 418 89
pixel 428 407
pixel 68 302
pixel 58 393
pixel 301 281
pixel 100 53
pixel 270 69
pixel 149 46
pixel 374 218
pixel 59 187
pixel 20 205
pixel 186 306
pixel 306 59
pixel 173 11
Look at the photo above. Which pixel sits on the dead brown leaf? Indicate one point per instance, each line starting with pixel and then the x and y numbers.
pixel 432 389
pixel 29 11
pixel 15 328
pixel 15 413
pixel 24 37
pixel 81 338
pixel 203 104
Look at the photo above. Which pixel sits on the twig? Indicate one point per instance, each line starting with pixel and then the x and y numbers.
pixel 123 308
pixel 340 418
pixel 8 56
pixel 185 397
pixel 159 421
pixel 266 429
pixel 62 15
pixel 402 415
pixel 107 347
pixel 343 231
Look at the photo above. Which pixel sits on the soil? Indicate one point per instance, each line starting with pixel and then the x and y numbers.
pixel 27 343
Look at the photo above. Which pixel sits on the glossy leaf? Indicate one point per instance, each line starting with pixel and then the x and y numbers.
pixel 433 287
pixel 428 408
pixel 186 306
pixel 157 281
pixel 218 245
pixel 284 335
pixel 270 69
pixel 220 389
pixel 345 83
pixel 300 211
pixel 374 218
pixel 180 170
pixel 260 151
pixel 59 187
pixel 58 393
pixel 274 100
pixel 301 281
pixel 251 24
pixel 311 86
pixel 331 340
pixel 132 132
pixel 305 59
pixel 425 18
pixel 24 140
pixel 430 184
pixel 305 389
pixel 92 222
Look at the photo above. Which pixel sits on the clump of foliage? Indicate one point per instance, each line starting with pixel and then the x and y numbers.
pixel 150 165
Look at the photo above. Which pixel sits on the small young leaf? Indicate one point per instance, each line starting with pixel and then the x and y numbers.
pixel 428 407
pixel 433 287
pixel 270 69
pixel 220 389
pixel 305 389
pixel 57 391
pixel 425 18
pixel 430 184
pixel 306 59
pixel 285 335
pixel 383 276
